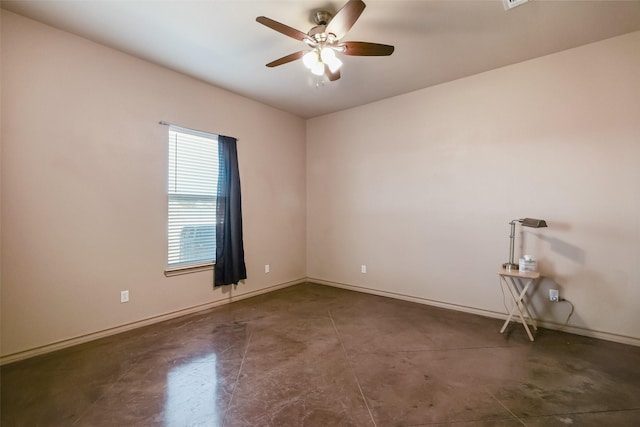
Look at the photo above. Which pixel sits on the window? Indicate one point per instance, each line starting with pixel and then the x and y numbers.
pixel 192 186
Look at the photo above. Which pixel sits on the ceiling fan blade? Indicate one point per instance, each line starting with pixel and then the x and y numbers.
pixel 345 18
pixel 366 49
pixel 286 59
pixel 331 76
pixel 281 28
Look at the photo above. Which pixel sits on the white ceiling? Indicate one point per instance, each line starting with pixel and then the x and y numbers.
pixel 219 41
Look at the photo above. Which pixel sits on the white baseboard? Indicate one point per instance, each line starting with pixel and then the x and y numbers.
pixel 608 336
pixel 48 348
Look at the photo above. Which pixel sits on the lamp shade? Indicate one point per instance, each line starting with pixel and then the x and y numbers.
pixel 533 223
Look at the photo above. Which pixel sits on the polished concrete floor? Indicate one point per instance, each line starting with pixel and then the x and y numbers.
pixel 311 355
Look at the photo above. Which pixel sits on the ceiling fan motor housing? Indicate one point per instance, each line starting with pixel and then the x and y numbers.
pixel 322 17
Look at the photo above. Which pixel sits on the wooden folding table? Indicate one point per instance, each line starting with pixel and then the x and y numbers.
pixel 518 283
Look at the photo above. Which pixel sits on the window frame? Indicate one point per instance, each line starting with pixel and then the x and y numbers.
pixel 196 265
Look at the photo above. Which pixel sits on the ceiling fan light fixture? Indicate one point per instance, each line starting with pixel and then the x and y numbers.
pixel 328 56
pixel 318 68
pixel 334 65
pixel 310 59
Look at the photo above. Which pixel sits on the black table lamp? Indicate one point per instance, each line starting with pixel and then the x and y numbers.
pixel 526 222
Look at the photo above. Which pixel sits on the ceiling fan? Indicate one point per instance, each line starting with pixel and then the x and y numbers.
pixel 324 40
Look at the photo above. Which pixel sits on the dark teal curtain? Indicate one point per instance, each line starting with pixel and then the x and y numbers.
pixel 230 267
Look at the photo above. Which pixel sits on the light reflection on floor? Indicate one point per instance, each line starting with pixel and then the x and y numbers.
pixel 192 393
pixel 312 355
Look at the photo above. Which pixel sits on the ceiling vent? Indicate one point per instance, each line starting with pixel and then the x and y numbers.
pixel 510 4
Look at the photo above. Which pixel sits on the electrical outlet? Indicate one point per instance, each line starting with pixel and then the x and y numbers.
pixel 267 268
pixel 124 296
pixel 510 4
pixel 363 268
pixel 554 295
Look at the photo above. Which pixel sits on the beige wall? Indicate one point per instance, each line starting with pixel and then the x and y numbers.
pixel 421 188
pixel 83 186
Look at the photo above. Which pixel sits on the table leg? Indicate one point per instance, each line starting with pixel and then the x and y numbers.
pixel 518 298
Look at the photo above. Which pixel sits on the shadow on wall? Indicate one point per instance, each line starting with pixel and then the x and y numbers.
pixel 542 308
pixel 561 247
pixel 565 313
pixel 565 249
pixel 561 313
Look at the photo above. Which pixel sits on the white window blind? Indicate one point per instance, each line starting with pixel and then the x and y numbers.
pixel 192 187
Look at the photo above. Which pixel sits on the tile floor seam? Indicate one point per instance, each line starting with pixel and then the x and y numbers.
pixel 235 384
pixel 566 414
pixel 353 372
pixel 461 422
pixel 433 350
pixel 505 407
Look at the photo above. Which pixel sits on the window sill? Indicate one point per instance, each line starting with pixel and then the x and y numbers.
pixel 177 271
